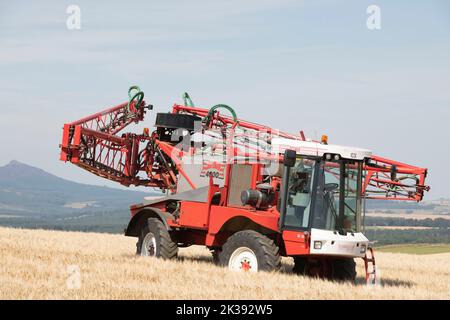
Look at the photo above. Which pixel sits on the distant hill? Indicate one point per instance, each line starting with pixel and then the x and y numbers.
pixel 30 196
pixel 33 198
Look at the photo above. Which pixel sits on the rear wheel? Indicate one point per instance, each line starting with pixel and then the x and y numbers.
pixel 250 251
pixel 155 241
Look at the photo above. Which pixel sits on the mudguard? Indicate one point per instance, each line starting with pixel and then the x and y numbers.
pixel 132 230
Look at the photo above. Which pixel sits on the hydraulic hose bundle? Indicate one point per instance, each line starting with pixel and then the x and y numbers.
pixel 135 95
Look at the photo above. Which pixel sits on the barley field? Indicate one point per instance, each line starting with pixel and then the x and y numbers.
pixel 38 264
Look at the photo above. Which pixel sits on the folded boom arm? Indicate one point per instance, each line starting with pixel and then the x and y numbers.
pixel 95 144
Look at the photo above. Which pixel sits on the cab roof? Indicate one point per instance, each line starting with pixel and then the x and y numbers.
pixel 313 148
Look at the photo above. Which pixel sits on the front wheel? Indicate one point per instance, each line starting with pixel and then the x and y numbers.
pixel 155 241
pixel 344 269
pixel 300 265
pixel 337 269
pixel 250 251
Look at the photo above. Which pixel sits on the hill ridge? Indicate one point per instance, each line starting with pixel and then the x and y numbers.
pixel 33 197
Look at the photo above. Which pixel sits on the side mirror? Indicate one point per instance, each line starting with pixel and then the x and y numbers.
pixel 289 158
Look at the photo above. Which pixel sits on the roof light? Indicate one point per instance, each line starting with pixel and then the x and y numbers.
pixel 324 139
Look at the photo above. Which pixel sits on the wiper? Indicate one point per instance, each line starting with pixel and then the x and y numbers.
pixel 340 228
pixel 350 208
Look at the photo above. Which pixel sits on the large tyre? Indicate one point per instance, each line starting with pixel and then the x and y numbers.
pixel 155 241
pixel 250 251
pixel 343 269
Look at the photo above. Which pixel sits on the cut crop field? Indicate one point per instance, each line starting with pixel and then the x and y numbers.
pixel 38 264
pixel 417 248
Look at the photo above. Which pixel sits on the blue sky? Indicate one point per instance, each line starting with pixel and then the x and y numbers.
pixel 310 65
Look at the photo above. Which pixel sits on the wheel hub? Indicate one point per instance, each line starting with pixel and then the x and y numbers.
pixel 148 248
pixel 243 259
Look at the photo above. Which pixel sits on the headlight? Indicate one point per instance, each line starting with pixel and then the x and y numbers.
pixel 317 245
pixel 363 249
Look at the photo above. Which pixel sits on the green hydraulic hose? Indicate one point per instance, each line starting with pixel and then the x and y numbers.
pixel 218 106
pixel 187 100
pixel 138 96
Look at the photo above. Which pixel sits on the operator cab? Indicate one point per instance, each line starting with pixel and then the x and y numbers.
pixel 324 194
pixel 321 195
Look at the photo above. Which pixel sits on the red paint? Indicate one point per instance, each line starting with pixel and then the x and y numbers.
pixel 296 242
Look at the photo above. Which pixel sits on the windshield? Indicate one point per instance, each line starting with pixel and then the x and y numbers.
pixel 338 196
pixel 324 195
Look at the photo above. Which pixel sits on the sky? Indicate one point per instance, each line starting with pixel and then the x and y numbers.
pixel 293 65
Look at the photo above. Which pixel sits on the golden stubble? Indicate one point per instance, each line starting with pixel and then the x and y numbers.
pixel 36 264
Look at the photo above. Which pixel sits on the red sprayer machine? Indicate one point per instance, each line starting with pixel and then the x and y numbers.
pixel 248 192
